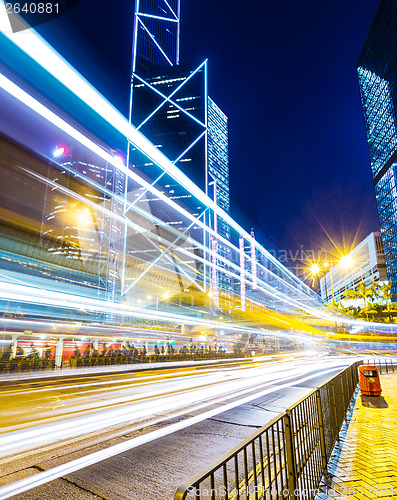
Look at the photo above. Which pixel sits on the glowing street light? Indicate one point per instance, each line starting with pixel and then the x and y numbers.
pixel 84 218
pixel 315 269
pixel 346 261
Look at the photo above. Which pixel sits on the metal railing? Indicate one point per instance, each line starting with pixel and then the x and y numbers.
pixel 20 364
pixel 286 458
pixel 384 366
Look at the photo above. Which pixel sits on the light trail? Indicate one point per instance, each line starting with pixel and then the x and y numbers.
pixel 40 51
pixel 90 409
pixel 126 404
pixel 69 467
pixel 52 62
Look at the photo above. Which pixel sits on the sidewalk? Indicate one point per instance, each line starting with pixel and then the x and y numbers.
pixel 364 464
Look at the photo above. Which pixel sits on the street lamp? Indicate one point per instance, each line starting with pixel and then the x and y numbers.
pixel 316 270
pixel 346 263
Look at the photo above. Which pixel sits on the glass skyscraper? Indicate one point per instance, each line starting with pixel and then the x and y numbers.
pixel 377 74
pixel 156 34
pixel 170 103
pixel 171 107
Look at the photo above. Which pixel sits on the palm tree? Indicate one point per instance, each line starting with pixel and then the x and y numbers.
pixel 373 295
pixel 350 293
pixel 374 289
pixel 385 293
pixel 365 293
pixel 353 295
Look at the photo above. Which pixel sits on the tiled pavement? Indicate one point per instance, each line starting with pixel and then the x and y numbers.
pixel 364 464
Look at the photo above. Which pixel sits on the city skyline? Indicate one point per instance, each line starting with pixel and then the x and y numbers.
pixel 320 65
pixel 155 343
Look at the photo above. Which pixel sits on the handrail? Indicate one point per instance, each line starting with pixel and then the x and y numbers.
pixel 205 473
pixel 286 457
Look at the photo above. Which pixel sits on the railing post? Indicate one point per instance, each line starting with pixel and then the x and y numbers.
pixel 290 455
pixel 335 410
pixel 321 431
pixel 343 390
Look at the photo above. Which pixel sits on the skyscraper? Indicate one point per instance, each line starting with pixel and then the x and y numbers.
pixel 156 34
pixel 377 74
pixel 170 105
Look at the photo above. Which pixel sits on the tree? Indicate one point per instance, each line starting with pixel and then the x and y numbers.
pixel 351 294
pixel 373 293
pixel 363 292
pixel 385 293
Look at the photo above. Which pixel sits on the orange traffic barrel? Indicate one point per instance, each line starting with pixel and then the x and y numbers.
pixel 369 380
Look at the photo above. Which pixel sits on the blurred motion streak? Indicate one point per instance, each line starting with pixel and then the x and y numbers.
pixel 88 236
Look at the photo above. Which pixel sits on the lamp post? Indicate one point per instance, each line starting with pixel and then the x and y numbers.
pixel 326 265
pixel 346 262
pixel 315 270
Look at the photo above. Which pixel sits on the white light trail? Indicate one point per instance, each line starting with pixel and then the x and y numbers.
pixel 45 55
pixel 41 52
pixel 40 296
pixel 135 405
pixel 80 463
pixel 24 97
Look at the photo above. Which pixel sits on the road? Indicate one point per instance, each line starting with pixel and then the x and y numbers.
pixel 152 429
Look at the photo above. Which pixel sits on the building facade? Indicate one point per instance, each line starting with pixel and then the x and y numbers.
pixel 156 34
pixel 85 231
pixel 171 107
pixel 368 264
pixel 377 75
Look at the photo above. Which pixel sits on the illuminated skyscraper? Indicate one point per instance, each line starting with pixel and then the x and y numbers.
pixel 156 34
pixel 170 105
pixel 377 74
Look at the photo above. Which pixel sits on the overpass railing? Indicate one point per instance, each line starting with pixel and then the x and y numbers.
pixel 286 458
pixel 385 366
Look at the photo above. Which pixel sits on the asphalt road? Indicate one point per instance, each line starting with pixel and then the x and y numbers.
pixel 139 411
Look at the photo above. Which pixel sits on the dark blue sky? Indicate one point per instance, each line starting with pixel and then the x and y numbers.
pixel 284 73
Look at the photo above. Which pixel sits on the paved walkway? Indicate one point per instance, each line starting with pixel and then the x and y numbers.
pixel 364 465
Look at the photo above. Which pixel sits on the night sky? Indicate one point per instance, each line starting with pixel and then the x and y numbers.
pixel 284 73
